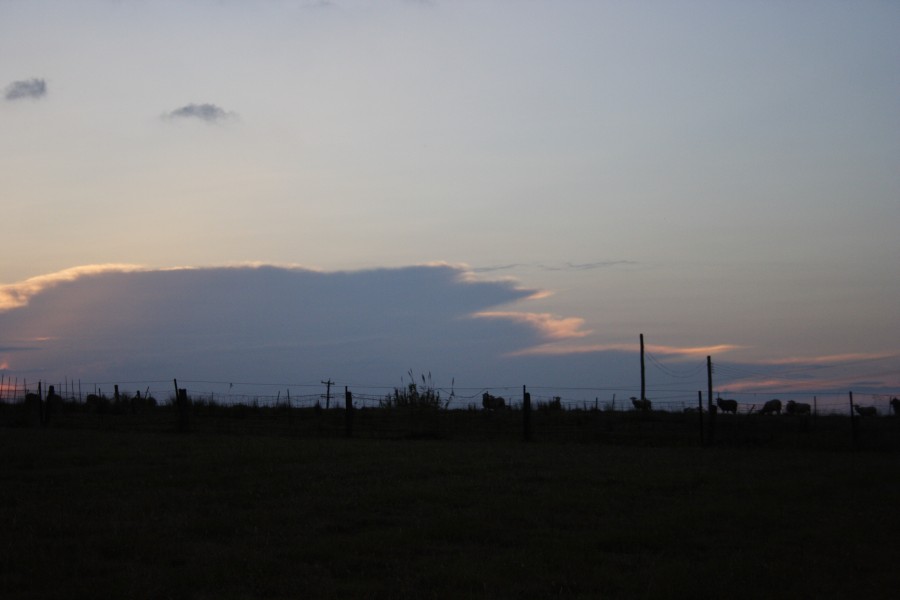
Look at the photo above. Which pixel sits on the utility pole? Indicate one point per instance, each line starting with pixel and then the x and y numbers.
pixel 328 385
pixel 709 402
pixel 643 378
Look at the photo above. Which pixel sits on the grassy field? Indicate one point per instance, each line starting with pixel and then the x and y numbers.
pixel 113 514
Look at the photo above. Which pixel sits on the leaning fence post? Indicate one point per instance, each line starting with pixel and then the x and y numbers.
pixel 526 415
pixel 348 412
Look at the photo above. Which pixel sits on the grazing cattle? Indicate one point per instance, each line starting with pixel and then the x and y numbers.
pixel 772 406
pixel 489 402
pixel 727 405
pixel 797 408
pixel 641 403
pixel 895 406
pixel 865 411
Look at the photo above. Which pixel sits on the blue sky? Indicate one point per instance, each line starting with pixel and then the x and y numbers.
pixel 720 176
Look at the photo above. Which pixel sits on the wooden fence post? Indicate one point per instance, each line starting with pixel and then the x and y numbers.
pixel 40 401
pixel 526 415
pixel 700 413
pixel 183 405
pixel 854 424
pixel 51 392
pixel 348 412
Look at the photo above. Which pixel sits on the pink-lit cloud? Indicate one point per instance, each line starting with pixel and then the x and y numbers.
pixel 548 325
pixel 559 349
pixel 784 384
pixel 831 359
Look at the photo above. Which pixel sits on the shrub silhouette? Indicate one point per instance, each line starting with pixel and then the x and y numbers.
pixel 413 396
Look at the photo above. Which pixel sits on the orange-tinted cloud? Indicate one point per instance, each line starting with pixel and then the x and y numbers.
pixel 548 325
pixel 556 349
pixel 552 349
pixel 693 350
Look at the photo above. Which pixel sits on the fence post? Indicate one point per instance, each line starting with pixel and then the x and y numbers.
pixel 854 424
pixel 526 414
pixel 40 401
pixel 51 392
pixel 700 413
pixel 348 412
pixel 183 405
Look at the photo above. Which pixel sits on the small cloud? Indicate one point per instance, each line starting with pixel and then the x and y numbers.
pixel 27 88
pixel 205 112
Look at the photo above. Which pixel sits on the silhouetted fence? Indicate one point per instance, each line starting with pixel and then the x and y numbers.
pixel 414 414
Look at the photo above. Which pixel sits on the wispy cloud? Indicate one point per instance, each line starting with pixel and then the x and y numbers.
pixel 692 351
pixel 548 325
pixel 559 349
pixel 567 266
pixel 831 359
pixel 204 112
pixel 493 268
pixel 603 264
pixel 26 88
pixel 553 349
pixel 782 385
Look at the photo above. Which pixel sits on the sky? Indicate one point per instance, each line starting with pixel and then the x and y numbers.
pixel 510 192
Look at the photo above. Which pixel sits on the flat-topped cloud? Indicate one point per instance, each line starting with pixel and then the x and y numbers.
pixel 121 323
pixel 269 323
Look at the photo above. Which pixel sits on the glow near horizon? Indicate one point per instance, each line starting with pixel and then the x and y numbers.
pixel 734 167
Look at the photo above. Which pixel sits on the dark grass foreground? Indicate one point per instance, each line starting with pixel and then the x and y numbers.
pixel 102 514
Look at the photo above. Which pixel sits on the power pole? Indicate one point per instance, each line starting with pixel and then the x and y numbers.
pixel 643 378
pixel 709 402
pixel 328 385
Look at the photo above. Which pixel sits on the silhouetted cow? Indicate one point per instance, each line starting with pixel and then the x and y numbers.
pixel 489 402
pixel 772 406
pixel 866 411
pixel 797 408
pixel 641 403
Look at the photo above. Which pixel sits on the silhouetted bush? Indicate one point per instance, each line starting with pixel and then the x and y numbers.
pixel 412 396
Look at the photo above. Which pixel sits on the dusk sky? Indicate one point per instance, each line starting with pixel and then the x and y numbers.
pixel 498 192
